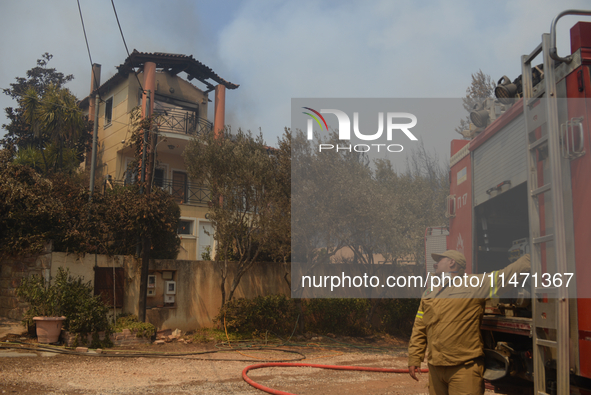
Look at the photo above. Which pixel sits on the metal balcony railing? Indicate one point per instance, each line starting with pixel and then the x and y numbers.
pixel 182 192
pixel 185 192
pixel 178 121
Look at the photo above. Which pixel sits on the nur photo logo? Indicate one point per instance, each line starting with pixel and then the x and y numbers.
pixel 395 122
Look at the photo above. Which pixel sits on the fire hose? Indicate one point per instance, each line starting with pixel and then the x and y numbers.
pixel 287 365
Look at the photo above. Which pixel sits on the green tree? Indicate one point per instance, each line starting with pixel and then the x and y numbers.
pixel 28 209
pixel 38 78
pixel 279 246
pixel 36 209
pixel 418 197
pixel 56 116
pixel 342 203
pixel 155 216
pixel 238 169
pixel 318 185
pixel 47 119
pixel 339 200
pixel 428 188
pixel 43 197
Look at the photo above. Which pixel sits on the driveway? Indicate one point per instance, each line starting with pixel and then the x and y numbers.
pixel 35 372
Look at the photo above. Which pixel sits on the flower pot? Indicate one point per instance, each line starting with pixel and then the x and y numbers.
pixel 48 328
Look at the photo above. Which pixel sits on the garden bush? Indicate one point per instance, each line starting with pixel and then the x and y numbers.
pixel 398 315
pixel 66 296
pixel 84 312
pixel 131 322
pixel 36 208
pixel 273 313
pixel 349 317
pixel 337 316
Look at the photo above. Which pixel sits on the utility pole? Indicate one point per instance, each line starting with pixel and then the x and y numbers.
pixel 146 243
pixel 94 86
pixel 146 134
pixel 94 144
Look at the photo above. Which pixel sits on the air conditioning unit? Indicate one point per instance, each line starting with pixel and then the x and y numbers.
pixel 170 288
pixel 169 299
pixel 151 292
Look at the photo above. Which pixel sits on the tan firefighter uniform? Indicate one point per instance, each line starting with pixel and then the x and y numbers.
pixel 448 326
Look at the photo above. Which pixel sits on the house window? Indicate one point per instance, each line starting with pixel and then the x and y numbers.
pixel 109 283
pixel 159 177
pixel 108 111
pixel 185 227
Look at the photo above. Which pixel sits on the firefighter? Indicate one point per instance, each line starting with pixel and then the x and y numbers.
pixel 448 324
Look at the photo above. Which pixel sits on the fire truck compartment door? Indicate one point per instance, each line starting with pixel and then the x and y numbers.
pixel 501 158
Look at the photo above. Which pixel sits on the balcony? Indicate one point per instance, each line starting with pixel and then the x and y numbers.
pixel 182 192
pixel 181 121
pixel 185 192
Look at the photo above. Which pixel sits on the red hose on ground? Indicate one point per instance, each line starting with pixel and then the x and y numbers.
pixel 287 365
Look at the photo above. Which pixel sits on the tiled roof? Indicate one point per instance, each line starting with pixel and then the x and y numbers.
pixel 174 64
pixel 169 62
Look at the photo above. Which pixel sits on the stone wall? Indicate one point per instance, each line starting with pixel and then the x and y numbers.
pixel 12 270
pixel 197 296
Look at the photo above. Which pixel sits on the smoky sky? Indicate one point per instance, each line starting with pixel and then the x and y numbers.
pixel 277 51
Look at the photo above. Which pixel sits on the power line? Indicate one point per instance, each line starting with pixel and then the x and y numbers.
pixel 124 43
pixel 88 48
pixel 118 24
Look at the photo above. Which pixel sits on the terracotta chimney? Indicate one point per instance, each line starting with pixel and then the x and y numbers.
pixel 149 85
pixel 95 82
pixel 219 111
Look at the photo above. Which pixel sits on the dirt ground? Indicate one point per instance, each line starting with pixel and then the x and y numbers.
pixel 38 372
pixel 25 368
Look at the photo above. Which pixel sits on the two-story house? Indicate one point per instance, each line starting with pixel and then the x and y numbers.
pixel 182 113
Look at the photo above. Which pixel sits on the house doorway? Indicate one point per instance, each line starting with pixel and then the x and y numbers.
pixel 179 186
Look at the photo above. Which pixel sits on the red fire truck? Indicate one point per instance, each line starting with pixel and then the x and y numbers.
pixel 521 184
